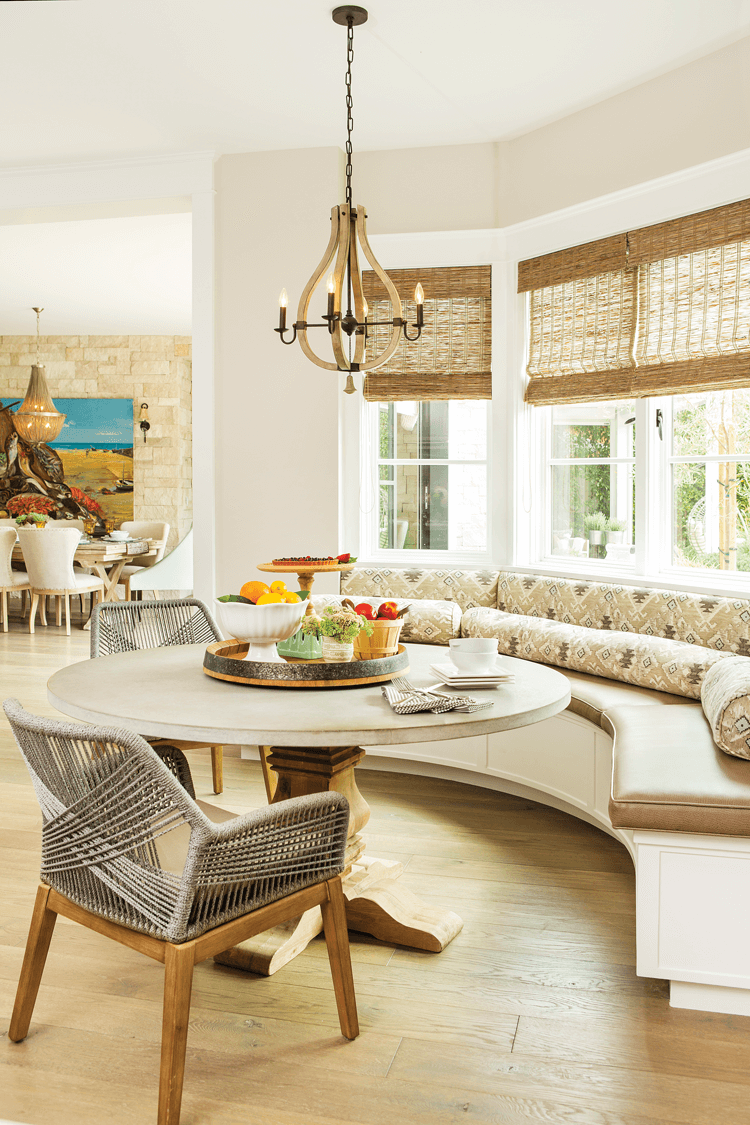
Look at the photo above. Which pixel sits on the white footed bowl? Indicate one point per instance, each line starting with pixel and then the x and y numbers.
pixel 260 625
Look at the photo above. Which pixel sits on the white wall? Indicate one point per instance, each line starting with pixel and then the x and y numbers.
pixel 454 187
pixel 276 413
pixel 693 114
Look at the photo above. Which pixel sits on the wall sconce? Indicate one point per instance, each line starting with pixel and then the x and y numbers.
pixel 143 421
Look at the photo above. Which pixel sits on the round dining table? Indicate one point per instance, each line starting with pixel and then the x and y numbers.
pixel 312 739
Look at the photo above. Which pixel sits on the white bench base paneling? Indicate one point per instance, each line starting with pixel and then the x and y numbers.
pixel 693 916
pixel 692 892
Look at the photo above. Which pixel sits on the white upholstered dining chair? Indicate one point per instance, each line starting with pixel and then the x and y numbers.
pixel 143 529
pixel 11 580
pixel 48 555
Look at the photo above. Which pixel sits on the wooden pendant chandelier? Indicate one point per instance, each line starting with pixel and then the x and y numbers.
pixel 37 419
pixel 346 316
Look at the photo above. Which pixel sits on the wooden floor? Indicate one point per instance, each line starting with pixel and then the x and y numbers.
pixel 533 1014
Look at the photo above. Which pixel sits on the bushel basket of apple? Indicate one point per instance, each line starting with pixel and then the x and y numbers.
pixel 386 622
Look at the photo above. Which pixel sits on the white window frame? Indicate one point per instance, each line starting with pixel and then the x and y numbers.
pixel 683 193
pixel 369 544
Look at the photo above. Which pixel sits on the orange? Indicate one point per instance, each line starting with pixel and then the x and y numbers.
pixel 290 596
pixel 278 587
pixel 269 599
pixel 253 590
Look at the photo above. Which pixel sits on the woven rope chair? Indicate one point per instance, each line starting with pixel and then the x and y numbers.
pixel 129 626
pixel 127 853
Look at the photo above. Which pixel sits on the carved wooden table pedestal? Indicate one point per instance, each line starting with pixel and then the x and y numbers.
pixel 375 903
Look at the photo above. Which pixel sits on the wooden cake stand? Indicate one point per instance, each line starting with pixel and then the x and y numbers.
pixel 305 574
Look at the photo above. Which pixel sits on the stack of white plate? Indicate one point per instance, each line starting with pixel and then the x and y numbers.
pixel 452 677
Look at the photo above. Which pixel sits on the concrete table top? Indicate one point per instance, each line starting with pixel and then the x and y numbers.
pixel 164 693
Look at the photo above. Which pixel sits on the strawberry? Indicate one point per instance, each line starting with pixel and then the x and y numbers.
pixel 347 558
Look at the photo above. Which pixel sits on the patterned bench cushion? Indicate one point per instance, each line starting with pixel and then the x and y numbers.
pixel 427 622
pixel 700 619
pixel 653 662
pixel 468 588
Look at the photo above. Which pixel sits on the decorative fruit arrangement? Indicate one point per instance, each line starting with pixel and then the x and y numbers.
pixel 258 593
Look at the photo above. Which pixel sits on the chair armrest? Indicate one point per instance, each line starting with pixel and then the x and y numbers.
pixel 265 855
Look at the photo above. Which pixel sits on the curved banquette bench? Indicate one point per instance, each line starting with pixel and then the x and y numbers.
pixel 633 754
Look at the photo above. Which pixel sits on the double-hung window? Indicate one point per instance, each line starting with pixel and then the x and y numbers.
pixel 639 365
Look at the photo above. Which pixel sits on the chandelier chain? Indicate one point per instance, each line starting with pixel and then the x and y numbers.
pixel 349 106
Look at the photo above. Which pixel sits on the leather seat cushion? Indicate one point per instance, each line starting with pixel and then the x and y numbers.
pixel 591 696
pixel 670 776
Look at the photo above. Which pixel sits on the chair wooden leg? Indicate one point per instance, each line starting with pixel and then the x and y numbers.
pixel 178 983
pixel 32 615
pixel 43 609
pixel 270 777
pixel 217 768
pixel 58 609
pixel 67 614
pixel 337 943
pixel 5 611
pixel 40 934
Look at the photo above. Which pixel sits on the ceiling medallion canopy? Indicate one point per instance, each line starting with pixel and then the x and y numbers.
pixel 346 316
pixel 37 419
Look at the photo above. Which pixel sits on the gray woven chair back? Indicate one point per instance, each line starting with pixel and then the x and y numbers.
pixel 106 801
pixel 129 626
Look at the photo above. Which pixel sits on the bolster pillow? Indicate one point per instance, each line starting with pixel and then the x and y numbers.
pixel 633 658
pixel 725 698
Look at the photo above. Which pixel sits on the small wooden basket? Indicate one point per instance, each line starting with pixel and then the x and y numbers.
pixel 383 642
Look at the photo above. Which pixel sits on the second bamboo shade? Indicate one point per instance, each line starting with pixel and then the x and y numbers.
pixel 666 324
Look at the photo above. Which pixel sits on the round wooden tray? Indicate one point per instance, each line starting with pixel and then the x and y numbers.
pixel 224 661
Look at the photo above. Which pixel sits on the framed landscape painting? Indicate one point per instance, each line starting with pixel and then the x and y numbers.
pixel 88 470
pixel 96 449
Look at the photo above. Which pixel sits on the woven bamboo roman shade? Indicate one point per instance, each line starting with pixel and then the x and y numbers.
pixel 660 310
pixel 451 359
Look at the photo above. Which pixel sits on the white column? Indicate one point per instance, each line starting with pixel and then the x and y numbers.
pixel 277 414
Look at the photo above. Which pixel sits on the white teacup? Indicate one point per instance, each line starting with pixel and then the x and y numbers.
pixel 474 654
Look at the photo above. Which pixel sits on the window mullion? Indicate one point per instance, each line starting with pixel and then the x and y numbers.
pixel 646 496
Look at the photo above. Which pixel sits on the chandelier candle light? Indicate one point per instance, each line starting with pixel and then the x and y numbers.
pixel 348 330
pixel 37 420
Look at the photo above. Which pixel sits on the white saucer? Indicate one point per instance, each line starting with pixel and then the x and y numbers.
pixel 450 675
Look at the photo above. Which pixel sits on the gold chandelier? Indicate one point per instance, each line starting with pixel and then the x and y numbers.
pixel 37 419
pixel 346 316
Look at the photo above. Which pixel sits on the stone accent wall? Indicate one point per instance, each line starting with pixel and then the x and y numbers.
pixel 152 369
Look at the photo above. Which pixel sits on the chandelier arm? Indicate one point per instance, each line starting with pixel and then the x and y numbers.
pixel 307 292
pixel 358 296
pixel 339 277
pixel 390 288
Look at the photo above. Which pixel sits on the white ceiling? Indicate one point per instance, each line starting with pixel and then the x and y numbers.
pixel 114 276
pixel 88 79
pixel 93 78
